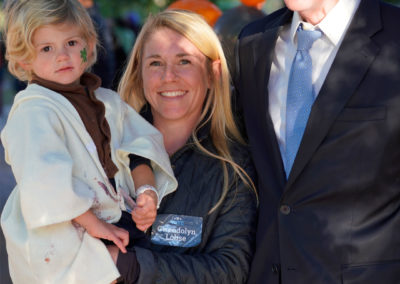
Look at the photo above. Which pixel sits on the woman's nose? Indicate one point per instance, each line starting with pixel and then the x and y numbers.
pixel 170 73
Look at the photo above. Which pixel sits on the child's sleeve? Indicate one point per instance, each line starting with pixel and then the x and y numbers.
pixel 142 139
pixel 135 160
pixel 36 149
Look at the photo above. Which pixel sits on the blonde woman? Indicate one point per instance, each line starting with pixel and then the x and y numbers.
pixel 177 78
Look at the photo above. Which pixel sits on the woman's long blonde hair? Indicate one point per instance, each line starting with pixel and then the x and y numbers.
pixel 217 106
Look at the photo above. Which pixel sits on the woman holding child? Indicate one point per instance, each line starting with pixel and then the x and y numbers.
pixel 76 149
pixel 204 233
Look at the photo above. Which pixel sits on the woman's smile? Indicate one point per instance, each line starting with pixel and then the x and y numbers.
pixel 172 94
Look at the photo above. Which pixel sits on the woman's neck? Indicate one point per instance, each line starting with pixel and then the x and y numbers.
pixel 175 133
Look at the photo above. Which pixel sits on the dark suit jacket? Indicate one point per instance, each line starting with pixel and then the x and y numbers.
pixel 337 217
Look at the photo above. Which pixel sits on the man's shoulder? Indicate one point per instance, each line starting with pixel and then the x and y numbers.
pixel 389 7
pixel 272 20
pixel 390 14
pixel 389 20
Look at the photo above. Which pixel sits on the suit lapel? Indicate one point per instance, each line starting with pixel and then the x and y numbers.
pixel 352 61
pixel 263 52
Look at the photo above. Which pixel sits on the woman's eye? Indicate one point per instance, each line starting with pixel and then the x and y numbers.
pixel 155 63
pixel 184 62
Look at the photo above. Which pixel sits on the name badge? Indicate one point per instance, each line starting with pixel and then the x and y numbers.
pixel 177 230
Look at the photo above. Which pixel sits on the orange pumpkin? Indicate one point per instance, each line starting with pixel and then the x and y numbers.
pixel 208 10
pixel 252 3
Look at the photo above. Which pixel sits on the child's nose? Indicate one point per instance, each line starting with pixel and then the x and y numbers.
pixel 62 54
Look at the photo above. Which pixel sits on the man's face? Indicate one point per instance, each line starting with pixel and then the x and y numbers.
pixel 312 11
pixel 303 5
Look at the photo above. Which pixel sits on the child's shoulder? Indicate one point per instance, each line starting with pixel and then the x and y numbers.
pixel 31 108
pixel 33 93
pixel 38 100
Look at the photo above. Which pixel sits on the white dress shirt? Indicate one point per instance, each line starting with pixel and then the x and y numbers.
pixel 323 52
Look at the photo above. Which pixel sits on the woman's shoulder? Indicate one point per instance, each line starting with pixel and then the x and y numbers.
pixel 241 156
pixel 240 153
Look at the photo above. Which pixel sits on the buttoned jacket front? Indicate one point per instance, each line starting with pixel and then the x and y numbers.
pixel 336 219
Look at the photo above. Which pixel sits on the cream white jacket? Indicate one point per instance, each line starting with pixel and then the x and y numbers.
pixel 59 177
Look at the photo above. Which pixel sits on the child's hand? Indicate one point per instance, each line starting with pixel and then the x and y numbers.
pixel 104 230
pixel 100 229
pixel 145 212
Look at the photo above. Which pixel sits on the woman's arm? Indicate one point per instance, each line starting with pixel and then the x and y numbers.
pixel 224 257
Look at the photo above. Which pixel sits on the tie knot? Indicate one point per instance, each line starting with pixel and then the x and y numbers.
pixel 306 38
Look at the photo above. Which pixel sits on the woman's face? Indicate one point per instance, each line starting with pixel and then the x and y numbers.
pixel 175 77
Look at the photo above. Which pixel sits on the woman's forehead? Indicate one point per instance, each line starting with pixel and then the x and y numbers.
pixel 167 41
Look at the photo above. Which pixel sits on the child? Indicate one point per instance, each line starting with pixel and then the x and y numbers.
pixel 75 150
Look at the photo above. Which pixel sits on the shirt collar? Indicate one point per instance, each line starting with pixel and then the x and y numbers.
pixel 335 23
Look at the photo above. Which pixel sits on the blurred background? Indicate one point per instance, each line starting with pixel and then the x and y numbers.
pixel 118 23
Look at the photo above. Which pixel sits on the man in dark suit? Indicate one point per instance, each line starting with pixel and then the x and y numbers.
pixel 331 213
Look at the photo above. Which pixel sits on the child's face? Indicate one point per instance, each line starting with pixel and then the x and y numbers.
pixel 61 54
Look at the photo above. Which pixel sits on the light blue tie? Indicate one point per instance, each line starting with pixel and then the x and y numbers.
pixel 300 96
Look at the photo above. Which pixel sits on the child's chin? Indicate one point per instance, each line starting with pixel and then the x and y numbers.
pixel 68 82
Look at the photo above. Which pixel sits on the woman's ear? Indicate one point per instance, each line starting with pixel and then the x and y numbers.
pixel 216 70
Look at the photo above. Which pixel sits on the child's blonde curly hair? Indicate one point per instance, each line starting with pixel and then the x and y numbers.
pixel 24 17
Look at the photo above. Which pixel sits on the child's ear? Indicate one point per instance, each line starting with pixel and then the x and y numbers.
pixel 91 46
pixel 25 65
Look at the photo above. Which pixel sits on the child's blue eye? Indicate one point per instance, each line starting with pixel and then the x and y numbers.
pixel 72 43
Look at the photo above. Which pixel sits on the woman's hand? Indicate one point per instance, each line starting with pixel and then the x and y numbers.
pixel 145 212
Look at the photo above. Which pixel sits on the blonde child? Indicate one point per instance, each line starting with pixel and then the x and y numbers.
pixel 76 150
